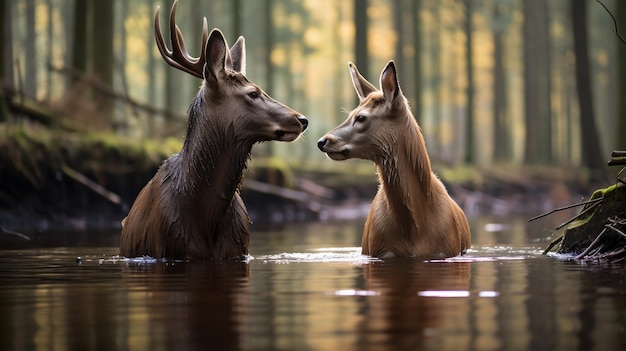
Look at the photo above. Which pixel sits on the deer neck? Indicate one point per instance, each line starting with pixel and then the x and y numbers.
pixel 212 157
pixel 405 175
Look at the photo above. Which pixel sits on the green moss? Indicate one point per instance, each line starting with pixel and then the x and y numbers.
pixel 28 154
pixel 583 231
pixel 32 154
pixel 459 174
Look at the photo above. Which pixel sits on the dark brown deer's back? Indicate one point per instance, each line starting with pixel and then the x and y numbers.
pixel 158 226
pixel 145 230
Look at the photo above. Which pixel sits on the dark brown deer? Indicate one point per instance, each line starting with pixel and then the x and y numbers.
pixel 412 213
pixel 191 208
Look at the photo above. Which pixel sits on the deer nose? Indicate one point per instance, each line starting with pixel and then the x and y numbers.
pixel 303 121
pixel 321 143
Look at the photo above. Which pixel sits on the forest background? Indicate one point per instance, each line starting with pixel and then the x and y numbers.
pixel 491 82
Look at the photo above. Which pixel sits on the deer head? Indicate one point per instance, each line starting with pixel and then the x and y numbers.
pixel 372 128
pixel 248 109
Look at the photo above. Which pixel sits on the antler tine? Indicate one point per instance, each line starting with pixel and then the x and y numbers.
pixel 179 57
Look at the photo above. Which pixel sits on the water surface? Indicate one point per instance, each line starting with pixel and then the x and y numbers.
pixel 307 287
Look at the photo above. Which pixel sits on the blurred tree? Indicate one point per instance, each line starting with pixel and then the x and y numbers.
pixel 620 137
pixel 269 44
pixel 270 41
pixel 538 146
pixel 360 39
pixel 417 59
pixel 469 91
pixel 123 50
pixel 49 47
pixel 399 29
pixel 102 48
pixel 237 10
pixel 437 79
pixel 4 28
pixel 339 65
pixel 591 150
pixel 501 134
pixel 29 64
pixel 151 68
pixel 6 55
pixel 79 38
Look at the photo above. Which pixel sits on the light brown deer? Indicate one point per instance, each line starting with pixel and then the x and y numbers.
pixel 412 213
pixel 191 208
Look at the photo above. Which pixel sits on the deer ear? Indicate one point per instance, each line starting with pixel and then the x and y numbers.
pixel 361 85
pixel 238 55
pixel 389 82
pixel 217 56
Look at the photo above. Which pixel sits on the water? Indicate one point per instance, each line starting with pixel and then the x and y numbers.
pixel 306 287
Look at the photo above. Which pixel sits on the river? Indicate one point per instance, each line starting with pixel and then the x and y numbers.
pixel 306 287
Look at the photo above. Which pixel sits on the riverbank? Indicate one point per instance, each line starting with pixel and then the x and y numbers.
pixel 54 180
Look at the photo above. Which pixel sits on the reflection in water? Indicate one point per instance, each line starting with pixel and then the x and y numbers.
pixel 152 306
pixel 185 306
pixel 400 316
pixel 308 287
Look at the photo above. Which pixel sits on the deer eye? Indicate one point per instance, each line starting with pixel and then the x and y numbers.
pixel 253 95
pixel 360 118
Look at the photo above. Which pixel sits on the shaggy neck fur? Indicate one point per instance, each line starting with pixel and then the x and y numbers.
pixel 404 171
pixel 211 163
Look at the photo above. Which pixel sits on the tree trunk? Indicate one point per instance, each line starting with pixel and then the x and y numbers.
pixel 49 46
pixel 360 40
pixel 469 91
pixel 436 144
pixel 6 56
pixel 620 139
pixel 29 66
pixel 501 137
pixel 417 61
pixel 269 46
pixel 237 30
pixel 592 154
pixel 152 82
pixel 398 26
pixel 79 39
pixel 537 83
pixel 102 50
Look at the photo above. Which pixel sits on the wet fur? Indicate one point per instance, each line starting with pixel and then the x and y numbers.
pixel 412 213
pixel 192 207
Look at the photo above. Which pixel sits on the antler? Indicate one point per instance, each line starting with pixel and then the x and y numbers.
pixel 179 57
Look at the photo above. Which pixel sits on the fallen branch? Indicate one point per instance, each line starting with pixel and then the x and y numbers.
pixel 97 188
pixel 19 235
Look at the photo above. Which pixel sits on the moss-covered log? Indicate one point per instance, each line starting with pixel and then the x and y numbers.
pixel 598 231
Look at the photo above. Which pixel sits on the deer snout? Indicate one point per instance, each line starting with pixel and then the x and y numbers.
pixel 304 121
pixel 321 143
